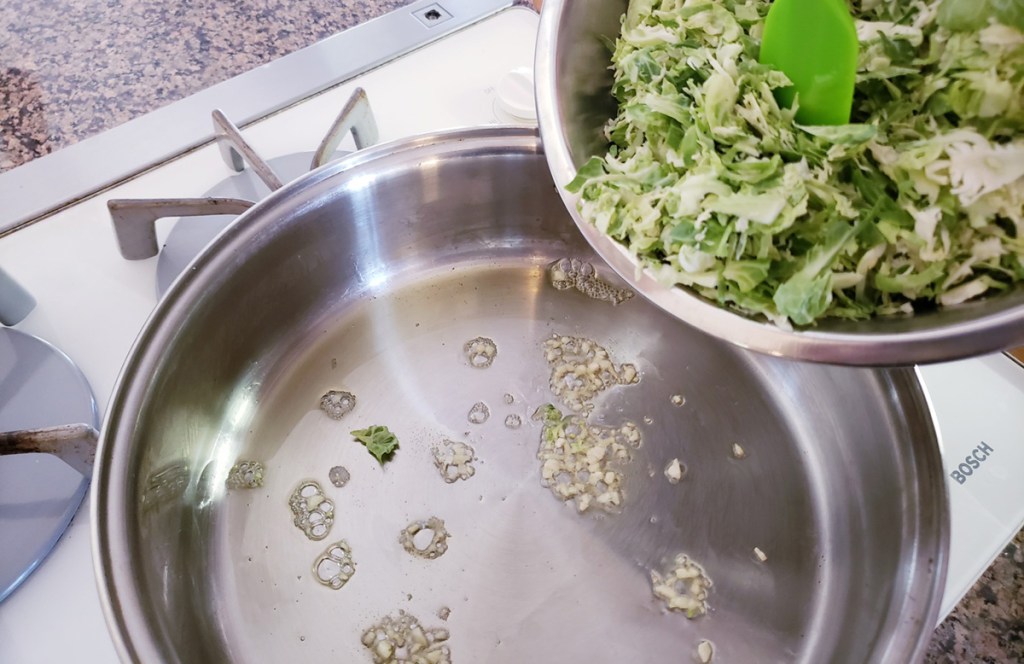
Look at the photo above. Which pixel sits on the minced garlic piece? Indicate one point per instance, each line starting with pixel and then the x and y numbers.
pixel 402 639
pixel 674 471
pixel 581 369
pixel 454 460
pixel 577 458
pixel 683 587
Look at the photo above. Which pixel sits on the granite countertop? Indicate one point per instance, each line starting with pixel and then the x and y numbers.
pixel 988 624
pixel 73 68
pixel 70 69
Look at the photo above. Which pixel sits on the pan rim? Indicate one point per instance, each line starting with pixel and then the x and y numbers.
pixel 117 579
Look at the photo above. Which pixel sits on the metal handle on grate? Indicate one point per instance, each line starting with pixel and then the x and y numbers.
pixel 356 117
pixel 236 151
pixel 135 220
pixel 15 301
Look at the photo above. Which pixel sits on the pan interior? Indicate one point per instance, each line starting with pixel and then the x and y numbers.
pixel 829 487
pixel 526 576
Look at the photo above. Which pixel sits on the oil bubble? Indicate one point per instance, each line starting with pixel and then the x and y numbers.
pixel 339 476
pixel 245 475
pixel 335 566
pixel 453 460
pixel 336 404
pixel 312 510
pixel 479 413
pixel 480 352
pixel 426 539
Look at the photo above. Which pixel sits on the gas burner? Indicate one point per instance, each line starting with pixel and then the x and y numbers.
pixel 39 492
pixel 191 234
pixel 42 387
pixel 204 218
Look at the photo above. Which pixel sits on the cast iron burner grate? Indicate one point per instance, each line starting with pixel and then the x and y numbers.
pixel 201 219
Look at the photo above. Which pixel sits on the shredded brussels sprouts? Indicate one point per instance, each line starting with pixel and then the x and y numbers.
pixel 917 203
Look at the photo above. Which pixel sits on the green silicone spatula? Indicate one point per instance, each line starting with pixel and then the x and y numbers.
pixel 814 43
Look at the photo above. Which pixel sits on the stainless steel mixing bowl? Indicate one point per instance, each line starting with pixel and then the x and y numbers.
pixel 369 275
pixel 573 84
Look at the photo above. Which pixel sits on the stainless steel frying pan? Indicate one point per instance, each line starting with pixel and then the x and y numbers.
pixel 369 276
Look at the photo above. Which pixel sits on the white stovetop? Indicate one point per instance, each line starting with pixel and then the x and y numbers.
pixel 92 303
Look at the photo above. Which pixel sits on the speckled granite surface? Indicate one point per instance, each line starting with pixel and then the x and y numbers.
pixel 70 69
pixel 988 625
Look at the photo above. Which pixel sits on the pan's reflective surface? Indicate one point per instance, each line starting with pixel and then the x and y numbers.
pixel 369 276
